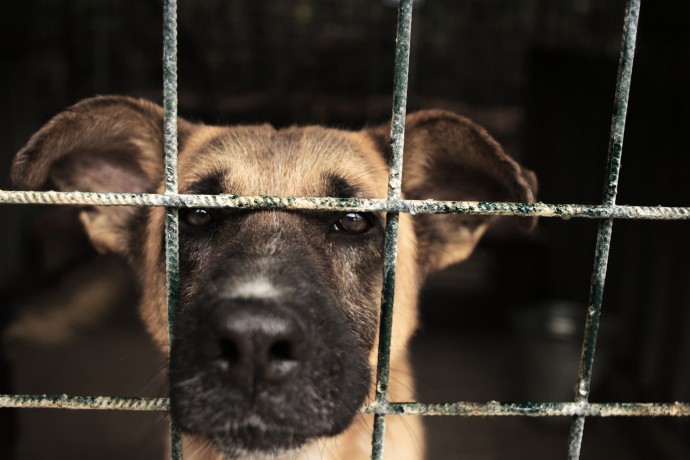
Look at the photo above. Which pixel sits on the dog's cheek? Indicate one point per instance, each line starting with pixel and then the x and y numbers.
pixel 147 259
pixel 208 251
pixel 195 253
pixel 359 267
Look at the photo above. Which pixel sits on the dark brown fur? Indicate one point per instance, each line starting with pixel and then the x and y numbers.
pixel 115 144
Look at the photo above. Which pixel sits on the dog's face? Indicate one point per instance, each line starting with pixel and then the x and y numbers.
pixel 278 314
pixel 272 352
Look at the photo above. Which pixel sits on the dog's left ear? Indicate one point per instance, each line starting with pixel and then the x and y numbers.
pixel 449 157
pixel 101 144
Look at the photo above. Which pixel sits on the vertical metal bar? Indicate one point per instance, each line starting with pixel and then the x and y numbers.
pixel 402 64
pixel 170 94
pixel 620 103
pixel 170 155
pixel 620 108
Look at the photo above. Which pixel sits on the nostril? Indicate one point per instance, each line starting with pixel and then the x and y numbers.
pixel 229 351
pixel 281 359
pixel 281 350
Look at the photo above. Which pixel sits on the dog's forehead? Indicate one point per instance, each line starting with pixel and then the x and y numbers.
pixel 296 161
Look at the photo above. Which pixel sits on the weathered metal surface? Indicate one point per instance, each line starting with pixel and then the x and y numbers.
pixel 564 211
pixel 385 330
pixel 460 409
pixel 620 102
pixel 601 256
pixel 170 147
pixel 170 94
pixel 84 402
pixel 531 409
pixel 402 65
pixel 400 80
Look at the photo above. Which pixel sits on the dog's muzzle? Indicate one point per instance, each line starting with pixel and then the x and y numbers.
pixel 265 375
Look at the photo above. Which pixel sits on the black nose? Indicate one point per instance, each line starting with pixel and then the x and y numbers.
pixel 254 342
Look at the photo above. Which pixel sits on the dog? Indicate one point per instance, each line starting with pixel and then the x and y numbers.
pixel 277 323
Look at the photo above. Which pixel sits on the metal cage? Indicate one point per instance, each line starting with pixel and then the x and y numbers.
pixel 606 213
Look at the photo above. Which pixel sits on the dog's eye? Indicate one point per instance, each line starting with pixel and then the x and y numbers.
pixel 353 222
pixel 196 217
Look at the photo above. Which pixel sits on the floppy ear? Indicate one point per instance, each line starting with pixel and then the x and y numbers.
pixel 449 157
pixel 101 144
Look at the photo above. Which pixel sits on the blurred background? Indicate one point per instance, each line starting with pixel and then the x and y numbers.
pixel 506 325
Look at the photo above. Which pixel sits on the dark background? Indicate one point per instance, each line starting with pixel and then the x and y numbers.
pixel 506 325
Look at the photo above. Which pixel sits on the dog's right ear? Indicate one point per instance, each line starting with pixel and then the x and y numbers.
pixel 101 144
pixel 449 157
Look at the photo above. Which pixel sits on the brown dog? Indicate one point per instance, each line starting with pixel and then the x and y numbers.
pixel 278 316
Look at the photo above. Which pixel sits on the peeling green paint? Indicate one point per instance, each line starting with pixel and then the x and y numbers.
pixel 400 77
pixel 170 152
pixel 461 409
pixel 531 409
pixel 84 402
pixel 564 211
pixel 601 255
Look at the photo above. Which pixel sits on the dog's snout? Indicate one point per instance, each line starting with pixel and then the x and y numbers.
pixel 254 343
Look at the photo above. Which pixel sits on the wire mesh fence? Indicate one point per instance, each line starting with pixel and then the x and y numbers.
pixel 394 204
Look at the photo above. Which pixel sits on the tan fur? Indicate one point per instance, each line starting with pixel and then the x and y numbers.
pixel 446 157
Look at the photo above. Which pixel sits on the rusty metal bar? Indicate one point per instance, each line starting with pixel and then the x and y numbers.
pixel 402 65
pixel 564 211
pixel 601 256
pixel 531 409
pixel 170 147
pixel 84 402
pixel 460 409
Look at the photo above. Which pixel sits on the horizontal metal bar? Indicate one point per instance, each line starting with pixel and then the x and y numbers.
pixel 462 409
pixel 531 409
pixel 84 402
pixel 564 211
